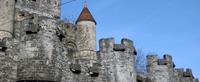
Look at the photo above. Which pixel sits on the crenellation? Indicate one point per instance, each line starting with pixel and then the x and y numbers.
pixel 116 61
pixel 196 80
pixel 152 60
pixel 37 46
pixel 155 60
pixel 188 73
pixel 179 71
pixel 106 45
pixel 129 45
pixel 127 42
pixel 167 57
pixel 41 7
pixel 160 69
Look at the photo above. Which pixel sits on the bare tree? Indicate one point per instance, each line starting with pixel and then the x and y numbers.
pixel 70 19
pixel 141 62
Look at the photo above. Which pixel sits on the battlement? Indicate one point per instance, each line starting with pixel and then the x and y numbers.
pixel 155 60
pixel 49 8
pixel 108 45
pixel 184 73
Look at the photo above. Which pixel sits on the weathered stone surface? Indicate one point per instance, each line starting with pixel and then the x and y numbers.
pixel 7 8
pixel 117 66
pixel 36 46
pixel 48 8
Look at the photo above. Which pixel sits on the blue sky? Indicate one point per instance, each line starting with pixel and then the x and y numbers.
pixel 155 26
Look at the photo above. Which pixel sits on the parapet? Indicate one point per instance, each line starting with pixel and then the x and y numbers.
pixel 196 80
pixel 155 60
pixel 184 73
pixel 49 8
pixel 179 71
pixel 108 45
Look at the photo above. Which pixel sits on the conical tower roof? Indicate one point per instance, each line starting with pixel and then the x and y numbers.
pixel 85 15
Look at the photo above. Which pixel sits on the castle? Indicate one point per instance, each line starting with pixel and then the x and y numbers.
pixel 37 46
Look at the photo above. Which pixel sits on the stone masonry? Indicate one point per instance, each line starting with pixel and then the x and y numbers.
pixel 37 46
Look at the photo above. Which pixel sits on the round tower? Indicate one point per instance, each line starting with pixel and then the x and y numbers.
pixel 86 35
pixel 6 18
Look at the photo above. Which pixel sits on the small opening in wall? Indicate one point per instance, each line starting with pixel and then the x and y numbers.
pixel 94 74
pixel 139 81
pixel 15 1
pixel 6 3
pixel 75 68
pixel 32 17
pixel 34 0
pixel 31 32
pixel 22 14
pixel 34 81
pixel 55 2
pixel 2 46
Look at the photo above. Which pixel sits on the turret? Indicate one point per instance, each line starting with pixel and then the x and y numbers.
pixel 86 36
pixel 181 75
pixel 160 70
pixel 117 60
pixel 7 8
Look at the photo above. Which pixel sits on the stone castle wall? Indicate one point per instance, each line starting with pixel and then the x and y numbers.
pixel 39 47
pixel 164 70
pixel 117 61
pixel 7 8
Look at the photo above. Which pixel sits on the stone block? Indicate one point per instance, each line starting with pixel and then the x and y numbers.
pixel 168 57
pixel 127 42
